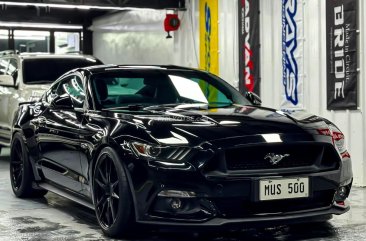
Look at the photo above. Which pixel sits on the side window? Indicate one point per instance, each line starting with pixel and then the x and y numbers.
pixel 73 86
pixel 51 94
pixel 3 66
pixel 13 66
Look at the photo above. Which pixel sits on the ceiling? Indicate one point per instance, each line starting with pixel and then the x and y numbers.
pixel 46 11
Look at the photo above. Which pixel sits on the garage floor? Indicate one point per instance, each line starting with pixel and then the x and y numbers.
pixel 55 218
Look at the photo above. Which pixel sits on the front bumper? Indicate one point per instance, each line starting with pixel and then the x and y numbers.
pixel 232 200
pixel 318 215
pixel 224 196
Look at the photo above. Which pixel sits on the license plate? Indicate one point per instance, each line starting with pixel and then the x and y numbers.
pixel 274 189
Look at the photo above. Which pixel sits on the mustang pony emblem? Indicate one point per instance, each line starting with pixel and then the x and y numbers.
pixel 275 158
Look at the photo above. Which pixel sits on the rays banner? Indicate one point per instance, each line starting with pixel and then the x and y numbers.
pixel 292 54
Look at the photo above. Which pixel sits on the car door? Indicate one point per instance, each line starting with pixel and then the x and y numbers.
pixel 58 135
pixel 9 98
pixel 5 94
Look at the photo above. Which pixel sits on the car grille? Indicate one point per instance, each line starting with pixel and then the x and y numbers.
pixel 253 157
pixel 239 207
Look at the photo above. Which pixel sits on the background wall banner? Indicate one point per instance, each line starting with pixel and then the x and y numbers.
pixel 292 54
pixel 249 46
pixel 209 36
pixel 209 42
pixel 341 25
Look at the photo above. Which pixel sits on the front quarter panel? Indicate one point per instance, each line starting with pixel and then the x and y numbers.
pixel 99 130
pixel 24 123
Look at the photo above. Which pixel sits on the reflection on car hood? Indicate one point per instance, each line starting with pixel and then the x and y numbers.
pixel 171 125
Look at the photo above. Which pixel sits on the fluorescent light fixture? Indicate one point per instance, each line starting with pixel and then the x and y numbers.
pixel 32 33
pixel 272 138
pixel 29 38
pixel 40 25
pixel 68 6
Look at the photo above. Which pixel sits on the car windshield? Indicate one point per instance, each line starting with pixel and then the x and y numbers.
pixel 47 70
pixel 135 89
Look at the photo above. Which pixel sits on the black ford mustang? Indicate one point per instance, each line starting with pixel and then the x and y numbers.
pixel 175 146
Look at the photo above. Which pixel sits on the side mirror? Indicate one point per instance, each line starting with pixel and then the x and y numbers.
pixel 7 80
pixel 62 102
pixel 254 98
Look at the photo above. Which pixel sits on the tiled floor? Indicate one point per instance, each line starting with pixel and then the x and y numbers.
pixel 55 218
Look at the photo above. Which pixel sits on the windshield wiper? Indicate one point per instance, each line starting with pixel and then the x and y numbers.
pixel 128 107
pixel 194 106
pixel 200 106
pixel 179 106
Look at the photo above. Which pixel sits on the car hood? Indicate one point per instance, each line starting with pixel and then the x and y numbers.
pixel 176 126
pixel 33 92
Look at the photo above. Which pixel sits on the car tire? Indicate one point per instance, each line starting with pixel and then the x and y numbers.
pixel 21 174
pixel 112 197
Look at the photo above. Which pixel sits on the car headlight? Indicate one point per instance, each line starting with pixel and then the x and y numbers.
pixel 160 152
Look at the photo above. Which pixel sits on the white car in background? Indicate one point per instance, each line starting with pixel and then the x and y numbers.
pixel 24 77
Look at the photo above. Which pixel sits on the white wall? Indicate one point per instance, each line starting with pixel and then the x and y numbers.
pixel 186 39
pixel 186 43
pixel 352 123
pixel 132 37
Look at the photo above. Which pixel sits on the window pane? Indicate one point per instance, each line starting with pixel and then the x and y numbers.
pixel 117 86
pixel 152 87
pixel 13 66
pixel 4 40
pixel 49 69
pixel 188 88
pixel 32 41
pixel 3 66
pixel 66 42
pixel 73 87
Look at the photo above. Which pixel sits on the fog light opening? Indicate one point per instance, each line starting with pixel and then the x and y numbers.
pixel 177 194
pixel 175 203
pixel 341 195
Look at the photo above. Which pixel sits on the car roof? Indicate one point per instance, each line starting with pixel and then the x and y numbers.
pixel 109 67
pixel 53 56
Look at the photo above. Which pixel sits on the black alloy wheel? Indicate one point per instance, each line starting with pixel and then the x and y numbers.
pixel 16 165
pixel 21 174
pixel 112 197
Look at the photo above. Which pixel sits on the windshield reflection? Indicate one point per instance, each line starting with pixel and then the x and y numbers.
pixel 136 89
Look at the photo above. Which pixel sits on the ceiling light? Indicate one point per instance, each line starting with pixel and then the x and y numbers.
pixel 68 6
pixel 39 25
